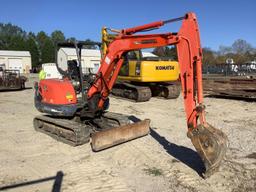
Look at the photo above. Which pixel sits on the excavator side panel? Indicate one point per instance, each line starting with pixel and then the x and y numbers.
pixel 151 71
pixel 57 92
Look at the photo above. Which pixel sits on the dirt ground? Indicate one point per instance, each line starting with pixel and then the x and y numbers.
pixel 165 160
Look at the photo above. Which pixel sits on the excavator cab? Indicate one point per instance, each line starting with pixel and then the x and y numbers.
pixel 64 97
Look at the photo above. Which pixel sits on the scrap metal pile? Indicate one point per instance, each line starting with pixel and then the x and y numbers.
pixel 235 87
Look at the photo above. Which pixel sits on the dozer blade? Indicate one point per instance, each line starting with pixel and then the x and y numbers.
pixel 211 145
pixel 117 135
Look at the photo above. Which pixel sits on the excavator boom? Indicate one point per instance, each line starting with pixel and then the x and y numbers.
pixel 210 142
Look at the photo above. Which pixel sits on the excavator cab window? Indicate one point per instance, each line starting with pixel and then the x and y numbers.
pixel 130 56
pixel 124 71
pixel 73 70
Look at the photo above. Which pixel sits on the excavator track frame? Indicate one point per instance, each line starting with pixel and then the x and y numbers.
pixel 143 92
pixel 64 130
pixel 165 90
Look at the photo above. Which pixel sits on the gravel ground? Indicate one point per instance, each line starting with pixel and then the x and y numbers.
pixel 165 160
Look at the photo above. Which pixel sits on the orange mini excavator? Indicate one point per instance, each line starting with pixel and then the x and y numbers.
pixel 76 105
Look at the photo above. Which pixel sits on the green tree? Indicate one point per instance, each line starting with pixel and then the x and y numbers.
pixel 254 54
pixel 240 51
pixel 223 50
pixel 57 36
pixel 90 44
pixel 31 46
pixel 17 43
pixel 241 46
pixel 12 37
pixel 159 51
pixel 208 56
pixel 171 52
pixel 41 37
pixel 72 39
pixel 46 48
pixel 220 59
pixel 47 51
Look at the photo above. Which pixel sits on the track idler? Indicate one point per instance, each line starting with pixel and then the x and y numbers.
pixel 114 136
pixel 211 145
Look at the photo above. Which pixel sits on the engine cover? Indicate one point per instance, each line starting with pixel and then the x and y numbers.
pixel 57 92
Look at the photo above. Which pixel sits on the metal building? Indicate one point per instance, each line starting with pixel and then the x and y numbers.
pixel 16 60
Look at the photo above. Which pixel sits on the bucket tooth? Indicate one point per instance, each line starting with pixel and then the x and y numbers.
pixel 211 145
pixel 117 135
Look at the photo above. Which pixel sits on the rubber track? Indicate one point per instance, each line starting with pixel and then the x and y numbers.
pixel 166 90
pixel 66 131
pixel 75 133
pixel 133 92
pixel 173 91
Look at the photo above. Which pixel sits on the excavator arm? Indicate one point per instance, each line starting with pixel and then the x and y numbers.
pixel 210 142
pixel 189 56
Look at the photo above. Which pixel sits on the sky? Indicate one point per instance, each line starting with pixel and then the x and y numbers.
pixel 221 22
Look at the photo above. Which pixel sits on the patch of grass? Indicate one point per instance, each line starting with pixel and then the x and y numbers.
pixel 153 171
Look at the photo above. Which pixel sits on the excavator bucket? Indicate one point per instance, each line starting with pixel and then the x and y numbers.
pixel 211 145
pixel 117 135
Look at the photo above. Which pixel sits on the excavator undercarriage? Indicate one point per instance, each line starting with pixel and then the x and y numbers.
pixel 140 92
pixel 132 92
pixel 107 130
pixel 167 90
